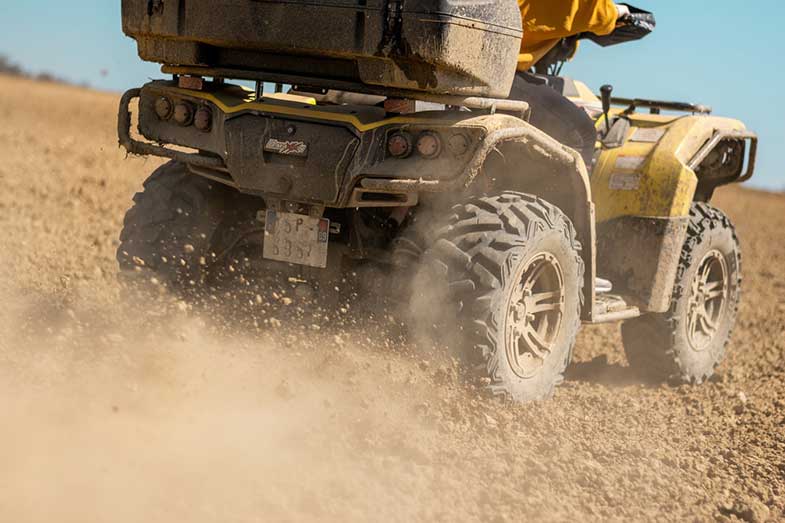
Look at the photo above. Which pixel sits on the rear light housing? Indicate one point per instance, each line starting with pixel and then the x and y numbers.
pixel 399 145
pixel 163 108
pixel 429 145
pixel 203 119
pixel 184 113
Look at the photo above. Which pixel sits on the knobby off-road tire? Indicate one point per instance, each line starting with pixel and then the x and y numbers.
pixel 689 340
pixel 167 232
pixel 502 285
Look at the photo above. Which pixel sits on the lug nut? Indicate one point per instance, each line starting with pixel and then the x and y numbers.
pixel 183 113
pixel 163 108
pixel 203 119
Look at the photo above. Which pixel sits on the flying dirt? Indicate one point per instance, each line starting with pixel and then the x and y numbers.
pixel 117 411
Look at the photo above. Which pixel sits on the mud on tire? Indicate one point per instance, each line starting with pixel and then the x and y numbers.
pixel 689 340
pixel 492 285
pixel 167 232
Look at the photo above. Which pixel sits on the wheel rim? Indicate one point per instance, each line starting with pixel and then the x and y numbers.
pixel 534 314
pixel 709 295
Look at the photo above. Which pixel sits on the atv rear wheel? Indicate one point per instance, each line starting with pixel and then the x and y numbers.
pixel 507 272
pixel 689 340
pixel 167 233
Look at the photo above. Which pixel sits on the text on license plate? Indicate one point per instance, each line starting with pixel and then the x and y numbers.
pixel 296 238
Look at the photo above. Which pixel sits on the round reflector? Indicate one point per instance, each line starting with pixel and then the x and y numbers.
pixel 163 108
pixel 400 145
pixel 183 113
pixel 429 145
pixel 203 119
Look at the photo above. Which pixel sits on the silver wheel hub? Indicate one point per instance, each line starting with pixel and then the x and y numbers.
pixel 708 299
pixel 534 314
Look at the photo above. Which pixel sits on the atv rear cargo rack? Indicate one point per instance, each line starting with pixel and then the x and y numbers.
pixel 303 83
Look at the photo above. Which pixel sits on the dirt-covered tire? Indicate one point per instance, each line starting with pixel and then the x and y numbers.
pixel 689 340
pixel 502 284
pixel 167 233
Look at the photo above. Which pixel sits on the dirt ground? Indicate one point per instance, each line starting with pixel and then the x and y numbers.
pixel 114 413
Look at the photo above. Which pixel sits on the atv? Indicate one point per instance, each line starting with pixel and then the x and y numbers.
pixel 396 149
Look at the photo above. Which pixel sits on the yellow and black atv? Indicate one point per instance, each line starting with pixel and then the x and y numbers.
pixel 396 148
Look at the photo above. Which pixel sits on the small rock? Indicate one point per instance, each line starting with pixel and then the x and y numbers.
pixel 188 248
pixel 749 509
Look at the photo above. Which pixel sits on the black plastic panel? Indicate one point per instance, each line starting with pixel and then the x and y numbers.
pixel 315 175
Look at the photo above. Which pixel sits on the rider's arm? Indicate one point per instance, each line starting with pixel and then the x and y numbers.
pixel 545 22
pixel 556 19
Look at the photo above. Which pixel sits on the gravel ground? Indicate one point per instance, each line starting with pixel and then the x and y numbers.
pixel 113 412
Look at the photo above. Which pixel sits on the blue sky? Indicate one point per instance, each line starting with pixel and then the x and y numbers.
pixel 724 53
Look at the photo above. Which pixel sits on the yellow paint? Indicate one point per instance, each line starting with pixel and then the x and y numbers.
pixel 661 185
pixel 231 103
pixel 665 185
pixel 585 94
pixel 291 98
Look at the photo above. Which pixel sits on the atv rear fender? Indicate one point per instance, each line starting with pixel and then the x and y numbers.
pixel 514 155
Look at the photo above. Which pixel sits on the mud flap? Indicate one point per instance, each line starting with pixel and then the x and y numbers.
pixel 640 256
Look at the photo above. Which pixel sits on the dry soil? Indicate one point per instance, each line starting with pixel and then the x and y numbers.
pixel 111 412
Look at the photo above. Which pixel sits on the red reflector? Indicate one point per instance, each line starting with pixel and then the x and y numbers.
pixel 195 83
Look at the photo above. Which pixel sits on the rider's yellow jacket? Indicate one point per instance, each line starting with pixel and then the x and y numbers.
pixel 545 22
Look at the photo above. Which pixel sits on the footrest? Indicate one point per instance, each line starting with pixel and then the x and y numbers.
pixel 610 308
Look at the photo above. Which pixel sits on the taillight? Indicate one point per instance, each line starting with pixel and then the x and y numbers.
pixel 203 119
pixel 163 108
pixel 458 144
pixel 429 145
pixel 183 113
pixel 400 145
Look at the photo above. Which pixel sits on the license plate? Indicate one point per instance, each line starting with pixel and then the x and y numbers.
pixel 296 238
